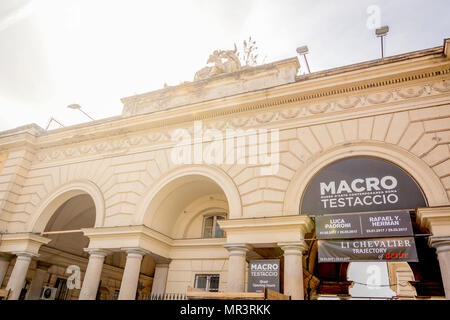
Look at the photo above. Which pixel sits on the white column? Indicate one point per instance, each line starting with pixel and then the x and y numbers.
pixel 160 278
pixel 5 260
pixel 19 273
pixel 37 283
pixel 442 245
pixel 236 266
pixel 293 269
pixel 93 273
pixel 130 278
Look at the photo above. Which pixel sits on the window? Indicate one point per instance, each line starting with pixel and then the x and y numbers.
pixel 211 228
pixel 208 282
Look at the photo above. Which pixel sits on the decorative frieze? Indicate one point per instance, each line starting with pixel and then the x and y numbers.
pixel 288 112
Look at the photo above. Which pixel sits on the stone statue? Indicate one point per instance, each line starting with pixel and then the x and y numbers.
pixel 225 61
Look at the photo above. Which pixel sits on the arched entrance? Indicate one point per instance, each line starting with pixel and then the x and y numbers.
pixel 185 206
pixel 355 185
pixel 179 208
pixel 65 249
pixel 58 271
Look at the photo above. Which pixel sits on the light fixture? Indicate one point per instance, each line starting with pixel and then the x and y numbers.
pixel 78 107
pixel 303 50
pixel 382 31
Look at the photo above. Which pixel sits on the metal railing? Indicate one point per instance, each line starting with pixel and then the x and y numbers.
pixel 151 296
pixel 165 296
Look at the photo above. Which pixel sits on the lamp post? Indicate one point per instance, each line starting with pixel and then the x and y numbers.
pixel 381 33
pixel 78 107
pixel 303 51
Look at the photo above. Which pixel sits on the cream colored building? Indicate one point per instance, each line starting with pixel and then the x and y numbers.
pixel 107 196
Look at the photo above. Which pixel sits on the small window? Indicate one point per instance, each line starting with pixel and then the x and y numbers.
pixel 208 282
pixel 211 228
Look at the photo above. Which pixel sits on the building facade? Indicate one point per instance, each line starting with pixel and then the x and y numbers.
pixel 193 181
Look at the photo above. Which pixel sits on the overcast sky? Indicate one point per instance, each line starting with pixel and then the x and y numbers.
pixel 57 52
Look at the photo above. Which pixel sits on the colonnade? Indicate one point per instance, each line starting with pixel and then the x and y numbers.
pixel 436 220
pixel 293 274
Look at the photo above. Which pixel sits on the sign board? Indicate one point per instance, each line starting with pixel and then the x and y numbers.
pixel 264 274
pixel 364 225
pixel 377 249
pixel 361 184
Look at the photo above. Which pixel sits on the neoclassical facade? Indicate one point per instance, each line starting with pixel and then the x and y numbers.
pixel 149 202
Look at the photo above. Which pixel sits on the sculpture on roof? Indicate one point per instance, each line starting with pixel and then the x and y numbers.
pixel 225 61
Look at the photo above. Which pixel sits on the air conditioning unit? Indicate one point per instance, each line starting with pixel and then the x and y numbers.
pixel 48 293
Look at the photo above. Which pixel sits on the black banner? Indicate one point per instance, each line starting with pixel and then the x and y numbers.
pixel 264 274
pixel 364 225
pixel 361 184
pixel 378 249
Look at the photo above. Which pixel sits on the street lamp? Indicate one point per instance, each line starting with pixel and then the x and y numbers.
pixel 77 106
pixel 303 51
pixel 381 33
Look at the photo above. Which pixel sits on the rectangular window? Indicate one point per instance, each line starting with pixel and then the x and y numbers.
pixel 208 282
pixel 211 228
pixel 208 227
pixel 219 232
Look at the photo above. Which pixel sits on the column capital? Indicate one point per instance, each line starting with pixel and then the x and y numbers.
pixel 161 265
pixel 161 261
pixel 434 219
pixel 441 244
pixel 237 248
pixel 135 252
pixel 25 255
pixel 97 252
pixel 296 248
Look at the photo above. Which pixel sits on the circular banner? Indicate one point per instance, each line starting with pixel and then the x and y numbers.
pixel 361 184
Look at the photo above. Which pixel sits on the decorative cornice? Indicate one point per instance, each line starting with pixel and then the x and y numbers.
pixel 129 231
pixel 288 110
pixel 435 219
pixel 32 129
pixel 267 230
pixel 22 242
pixel 411 78
pixel 441 244
pixel 447 48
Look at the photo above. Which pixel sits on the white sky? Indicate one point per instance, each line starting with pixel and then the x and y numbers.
pixel 93 52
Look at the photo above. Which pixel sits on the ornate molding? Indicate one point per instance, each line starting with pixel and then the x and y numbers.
pixel 441 86
pixel 285 113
